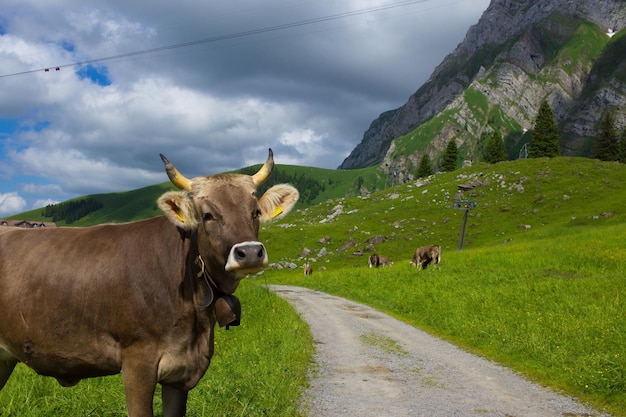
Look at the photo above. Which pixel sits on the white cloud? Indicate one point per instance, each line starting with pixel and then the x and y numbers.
pixel 44 203
pixel 11 203
pixel 305 142
pixel 309 92
pixel 78 174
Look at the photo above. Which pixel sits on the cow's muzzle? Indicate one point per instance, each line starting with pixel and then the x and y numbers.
pixel 247 258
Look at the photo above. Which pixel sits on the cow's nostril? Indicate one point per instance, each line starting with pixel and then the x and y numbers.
pixel 246 255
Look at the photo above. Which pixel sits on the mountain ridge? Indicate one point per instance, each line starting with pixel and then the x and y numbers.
pixel 512 39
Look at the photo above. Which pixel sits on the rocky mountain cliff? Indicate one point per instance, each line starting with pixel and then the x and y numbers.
pixel 571 53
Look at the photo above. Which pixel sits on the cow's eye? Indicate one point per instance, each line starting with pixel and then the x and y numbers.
pixel 207 217
pixel 256 214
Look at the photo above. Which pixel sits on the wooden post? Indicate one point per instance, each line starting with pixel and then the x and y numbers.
pixel 466 206
pixel 462 234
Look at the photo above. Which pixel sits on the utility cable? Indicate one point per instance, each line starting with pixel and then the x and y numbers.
pixel 224 37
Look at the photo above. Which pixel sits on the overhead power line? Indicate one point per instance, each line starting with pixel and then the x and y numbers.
pixel 223 37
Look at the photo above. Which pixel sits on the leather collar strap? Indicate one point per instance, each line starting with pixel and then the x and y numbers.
pixel 208 285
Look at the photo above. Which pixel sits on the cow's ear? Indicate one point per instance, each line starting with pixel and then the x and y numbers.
pixel 277 202
pixel 178 208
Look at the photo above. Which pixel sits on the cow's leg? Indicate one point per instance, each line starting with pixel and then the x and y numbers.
pixel 139 385
pixel 174 402
pixel 6 367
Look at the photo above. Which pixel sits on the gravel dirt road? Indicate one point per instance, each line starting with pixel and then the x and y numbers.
pixel 370 364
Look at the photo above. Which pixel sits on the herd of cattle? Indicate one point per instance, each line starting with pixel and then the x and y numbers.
pixel 422 257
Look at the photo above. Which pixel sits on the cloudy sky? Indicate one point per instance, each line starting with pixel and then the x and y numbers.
pixel 210 84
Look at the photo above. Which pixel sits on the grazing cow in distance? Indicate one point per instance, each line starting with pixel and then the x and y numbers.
pixel 375 260
pixel 139 298
pixel 384 261
pixel 308 269
pixel 425 255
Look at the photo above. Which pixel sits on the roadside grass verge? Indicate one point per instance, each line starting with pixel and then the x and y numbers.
pixel 259 369
pixel 551 308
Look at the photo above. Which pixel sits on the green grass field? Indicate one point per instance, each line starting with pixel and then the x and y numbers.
pixel 558 319
pixel 540 283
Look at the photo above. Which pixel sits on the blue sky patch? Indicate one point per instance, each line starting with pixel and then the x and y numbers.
pixel 99 75
pixel 41 125
pixel 68 46
pixel 11 127
pixel 8 126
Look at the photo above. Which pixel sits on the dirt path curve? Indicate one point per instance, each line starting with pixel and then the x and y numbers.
pixel 370 364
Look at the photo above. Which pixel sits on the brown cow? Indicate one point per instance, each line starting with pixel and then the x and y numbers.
pixel 375 260
pixel 425 255
pixel 308 269
pixel 140 298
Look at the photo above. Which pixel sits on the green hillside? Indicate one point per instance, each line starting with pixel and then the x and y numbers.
pixel 540 193
pixel 520 200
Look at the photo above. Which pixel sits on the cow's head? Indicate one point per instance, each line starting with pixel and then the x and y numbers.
pixel 224 213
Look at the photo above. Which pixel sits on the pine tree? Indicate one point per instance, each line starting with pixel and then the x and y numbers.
pixel 544 140
pixel 607 147
pixel 494 149
pixel 450 156
pixel 426 168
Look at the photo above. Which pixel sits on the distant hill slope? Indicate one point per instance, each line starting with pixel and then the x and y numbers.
pixel 315 185
pixel 518 54
pixel 523 199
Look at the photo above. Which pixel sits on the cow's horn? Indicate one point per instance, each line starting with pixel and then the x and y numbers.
pixel 265 171
pixel 176 177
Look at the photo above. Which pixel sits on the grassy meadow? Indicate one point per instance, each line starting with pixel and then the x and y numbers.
pixel 539 286
pixel 553 312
